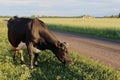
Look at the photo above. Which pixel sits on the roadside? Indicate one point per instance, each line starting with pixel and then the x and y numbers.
pixel 102 50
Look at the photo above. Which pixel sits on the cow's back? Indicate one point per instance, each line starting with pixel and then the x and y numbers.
pixel 27 29
pixel 17 29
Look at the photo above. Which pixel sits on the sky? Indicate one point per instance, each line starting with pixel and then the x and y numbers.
pixel 96 8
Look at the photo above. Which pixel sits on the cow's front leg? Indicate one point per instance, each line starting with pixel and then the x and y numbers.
pixel 31 55
pixel 35 60
pixel 36 52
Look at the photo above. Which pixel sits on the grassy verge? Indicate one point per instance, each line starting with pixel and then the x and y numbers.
pixel 101 27
pixel 105 33
pixel 49 67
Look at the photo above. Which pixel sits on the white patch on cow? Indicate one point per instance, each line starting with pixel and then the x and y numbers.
pixel 21 46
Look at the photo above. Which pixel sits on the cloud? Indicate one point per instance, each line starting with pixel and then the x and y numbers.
pixel 17 2
pixel 41 3
pixel 56 2
pixel 58 7
pixel 103 1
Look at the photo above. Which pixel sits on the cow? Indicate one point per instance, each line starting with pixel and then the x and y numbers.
pixel 35 34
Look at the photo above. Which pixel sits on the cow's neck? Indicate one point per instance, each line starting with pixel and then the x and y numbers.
pixel 53 47
pixel 50 46
pixel 50 40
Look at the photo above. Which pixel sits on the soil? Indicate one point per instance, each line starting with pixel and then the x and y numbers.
pixel 102 50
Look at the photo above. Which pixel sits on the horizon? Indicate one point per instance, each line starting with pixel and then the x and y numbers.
pixel 97 8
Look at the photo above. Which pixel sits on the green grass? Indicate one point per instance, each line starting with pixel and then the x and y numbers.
pixel 101 27
pixel 49 67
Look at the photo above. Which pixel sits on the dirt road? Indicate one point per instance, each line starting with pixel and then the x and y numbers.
pixel 105 51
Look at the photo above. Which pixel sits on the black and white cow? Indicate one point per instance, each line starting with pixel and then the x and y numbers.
pixel 36 36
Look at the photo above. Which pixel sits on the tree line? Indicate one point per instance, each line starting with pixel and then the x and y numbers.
pixel 34 16
pixel 113 16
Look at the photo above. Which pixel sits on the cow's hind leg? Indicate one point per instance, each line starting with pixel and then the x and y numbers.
pixel 14 55
pixel 15 51
pixel 21 56
pixel 13 48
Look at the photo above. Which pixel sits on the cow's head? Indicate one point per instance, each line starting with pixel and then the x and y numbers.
pixel 62 53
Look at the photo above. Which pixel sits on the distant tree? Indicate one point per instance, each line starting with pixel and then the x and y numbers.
pixel 112 16
pixel 119 15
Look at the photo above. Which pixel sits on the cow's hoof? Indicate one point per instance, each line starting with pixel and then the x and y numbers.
pixel 14 59
pixel 31 67
pixel 22 62
pixel 36 65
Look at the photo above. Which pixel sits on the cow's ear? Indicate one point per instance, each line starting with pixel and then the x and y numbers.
pixel 57 44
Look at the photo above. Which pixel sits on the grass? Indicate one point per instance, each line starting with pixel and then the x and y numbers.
pixel 101 27
pixel 49 67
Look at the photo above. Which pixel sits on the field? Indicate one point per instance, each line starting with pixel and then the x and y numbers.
pixel 49 67
pixel 101 27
